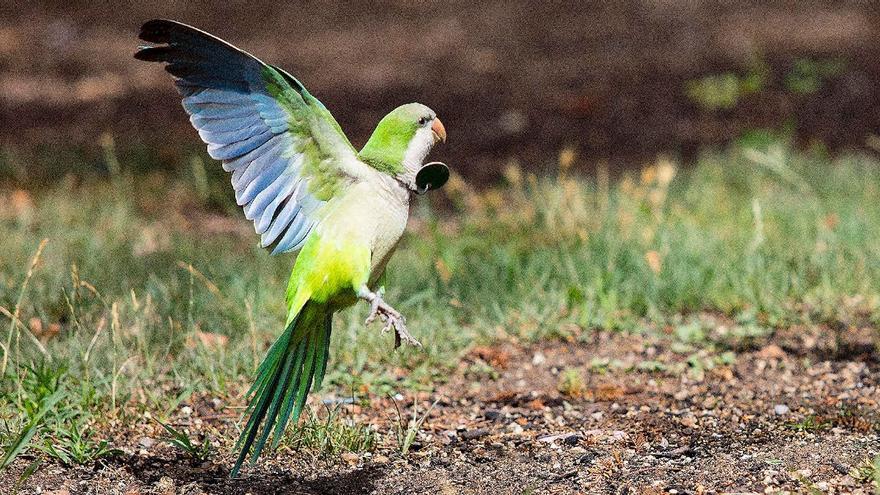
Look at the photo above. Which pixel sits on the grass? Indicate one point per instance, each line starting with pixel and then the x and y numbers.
pixel 330 434
pixel 406 431
pixel 868 472
pixel 571 383
pixel 150 288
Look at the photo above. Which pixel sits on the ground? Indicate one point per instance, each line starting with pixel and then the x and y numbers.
pixel 797 412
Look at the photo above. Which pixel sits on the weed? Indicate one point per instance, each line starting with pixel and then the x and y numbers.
pixel 37 393
pixel 571 383
pixel 651 366
pixel 72 444
pixel 809 424
pixel 868 471
pixel 406 431
pixel 178 438
pixel 20 442
pixel 481 370
pixel 331 435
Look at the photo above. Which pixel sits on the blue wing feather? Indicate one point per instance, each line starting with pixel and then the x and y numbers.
pixel 210 134
pixel 272 213
pixel 226 151
pixel 281 222
pixel 261 202
pixel 297 229
pixel 226 124
pixel 260 191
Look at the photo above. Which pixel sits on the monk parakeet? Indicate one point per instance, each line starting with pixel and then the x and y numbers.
pixel 307 190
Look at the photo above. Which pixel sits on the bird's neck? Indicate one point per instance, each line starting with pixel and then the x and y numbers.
pixel 398 155
pixel 381 161
pixel 385 151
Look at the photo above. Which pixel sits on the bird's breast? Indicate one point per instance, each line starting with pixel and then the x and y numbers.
pixel 374 213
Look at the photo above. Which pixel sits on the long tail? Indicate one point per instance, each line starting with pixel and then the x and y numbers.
pixel 295 362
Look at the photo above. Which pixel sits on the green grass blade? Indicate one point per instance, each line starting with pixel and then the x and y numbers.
pixel 21 441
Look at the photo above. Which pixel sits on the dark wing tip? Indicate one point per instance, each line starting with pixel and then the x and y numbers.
pixel 153 53
pixel 157 30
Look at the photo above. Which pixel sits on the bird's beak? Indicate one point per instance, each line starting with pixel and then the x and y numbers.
pixel 438 130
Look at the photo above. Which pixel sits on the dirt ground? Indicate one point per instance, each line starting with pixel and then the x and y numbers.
pixel 511 80
pixel 795 412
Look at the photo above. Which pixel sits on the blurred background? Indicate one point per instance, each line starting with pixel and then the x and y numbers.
pixel 615 81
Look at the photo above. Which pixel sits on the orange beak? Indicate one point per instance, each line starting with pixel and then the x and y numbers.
pixel 439 130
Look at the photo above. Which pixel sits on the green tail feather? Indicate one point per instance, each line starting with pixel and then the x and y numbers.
pixel 294 363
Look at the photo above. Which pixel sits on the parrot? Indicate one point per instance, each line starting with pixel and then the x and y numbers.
pixel 307 191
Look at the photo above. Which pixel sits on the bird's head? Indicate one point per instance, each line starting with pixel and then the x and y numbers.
pixel 402 141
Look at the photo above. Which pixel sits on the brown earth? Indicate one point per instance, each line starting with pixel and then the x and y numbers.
pixel 795 412
pixel 512 80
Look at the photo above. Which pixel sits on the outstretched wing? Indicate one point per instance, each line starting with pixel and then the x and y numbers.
pixel 287 154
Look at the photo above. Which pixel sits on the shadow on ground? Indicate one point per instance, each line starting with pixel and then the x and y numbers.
pixel 180 475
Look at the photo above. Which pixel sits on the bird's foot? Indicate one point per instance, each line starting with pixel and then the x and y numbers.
pixel 393 321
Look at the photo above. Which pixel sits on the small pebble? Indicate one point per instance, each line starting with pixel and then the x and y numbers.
pixel 780 409
pixel 493 414
pixel 474 434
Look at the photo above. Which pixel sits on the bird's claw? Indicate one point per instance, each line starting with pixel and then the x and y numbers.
pixel 393 321
pixel 374 310
pixel 401 334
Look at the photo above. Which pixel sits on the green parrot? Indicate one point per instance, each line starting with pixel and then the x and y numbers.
pixel 307 190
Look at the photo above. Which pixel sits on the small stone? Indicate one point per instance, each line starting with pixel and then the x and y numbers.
pixel 186 410
pixel 350 457
pixel 474 434
pixel 538 358
pixel 146 442
pixel 587 458
pixel 572 440
pixel 780 409
pixel 493 414
pixel 619 436
pixel 771 351
pixel 380 459
pixel 165 486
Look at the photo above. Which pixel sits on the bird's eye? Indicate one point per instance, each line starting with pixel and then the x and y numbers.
pixel 422 120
